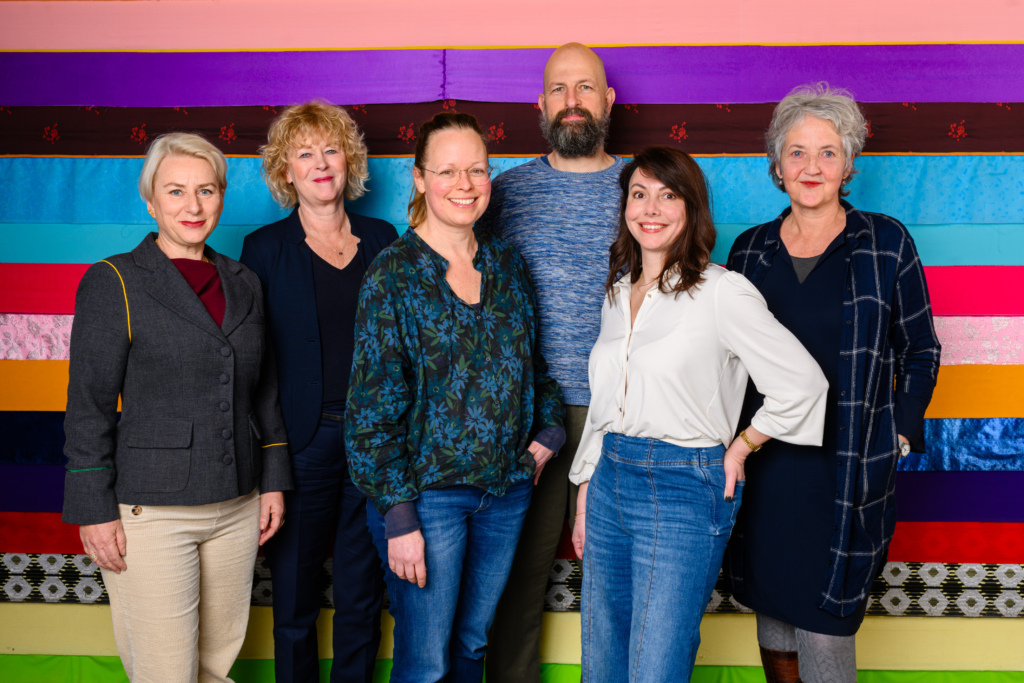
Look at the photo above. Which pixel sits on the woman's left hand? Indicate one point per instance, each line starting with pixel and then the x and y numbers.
pixel 541 455
pixel 271 514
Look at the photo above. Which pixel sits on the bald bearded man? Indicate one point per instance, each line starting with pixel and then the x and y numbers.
pixel 561 211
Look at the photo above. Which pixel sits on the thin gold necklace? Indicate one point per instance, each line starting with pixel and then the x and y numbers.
pixel 344 246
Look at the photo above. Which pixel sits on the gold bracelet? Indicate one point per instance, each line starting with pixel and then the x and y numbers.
pixel 754 447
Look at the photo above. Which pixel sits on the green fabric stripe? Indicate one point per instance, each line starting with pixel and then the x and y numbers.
pixel 61 668
pixel 92 469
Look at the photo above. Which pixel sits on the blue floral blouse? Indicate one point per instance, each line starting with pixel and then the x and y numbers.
pixel 443 394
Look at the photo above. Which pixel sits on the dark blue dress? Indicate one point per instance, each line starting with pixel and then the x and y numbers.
pixel 784 529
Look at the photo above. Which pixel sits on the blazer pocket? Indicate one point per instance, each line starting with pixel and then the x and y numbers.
pixel 158 457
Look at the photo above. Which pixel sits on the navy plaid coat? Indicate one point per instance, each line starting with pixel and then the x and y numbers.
pixel 889 363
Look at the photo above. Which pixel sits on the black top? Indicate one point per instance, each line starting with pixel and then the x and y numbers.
pixel 337 297
pixel 786 522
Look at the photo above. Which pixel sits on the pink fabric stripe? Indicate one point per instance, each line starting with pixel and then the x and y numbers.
pixel 965 340
pixel 981 341
pixel 281 24
pixel 34 337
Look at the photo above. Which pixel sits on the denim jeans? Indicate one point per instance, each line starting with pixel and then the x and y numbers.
pixel 657 526
pixel 470 538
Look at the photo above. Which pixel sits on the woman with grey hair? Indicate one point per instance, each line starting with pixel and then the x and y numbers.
pixel 816 521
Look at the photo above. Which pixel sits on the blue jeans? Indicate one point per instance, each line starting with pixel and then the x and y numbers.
pixel 470 538
pixel 325 514
pixel 657 526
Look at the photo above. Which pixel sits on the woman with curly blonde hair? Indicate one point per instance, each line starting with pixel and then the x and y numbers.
pixel 311 265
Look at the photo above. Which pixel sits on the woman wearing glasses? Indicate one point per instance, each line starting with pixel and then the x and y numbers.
pixel 451 412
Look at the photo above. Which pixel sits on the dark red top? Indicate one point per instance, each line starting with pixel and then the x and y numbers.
pixel 204 280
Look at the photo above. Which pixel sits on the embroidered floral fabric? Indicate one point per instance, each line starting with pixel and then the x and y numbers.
pixel 441 394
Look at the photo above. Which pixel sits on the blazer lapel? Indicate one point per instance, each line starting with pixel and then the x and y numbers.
pixel 237 295
pixel 168 286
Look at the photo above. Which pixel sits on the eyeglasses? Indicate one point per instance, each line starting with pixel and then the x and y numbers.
pixel 449 177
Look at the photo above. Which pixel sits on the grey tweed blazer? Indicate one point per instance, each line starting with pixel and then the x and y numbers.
pixel 200 417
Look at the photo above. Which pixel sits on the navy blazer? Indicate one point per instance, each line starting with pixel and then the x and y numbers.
pixel 282 260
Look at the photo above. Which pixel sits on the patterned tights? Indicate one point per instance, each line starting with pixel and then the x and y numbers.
pixel 823 659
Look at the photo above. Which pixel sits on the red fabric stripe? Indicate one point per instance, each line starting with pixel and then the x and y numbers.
pixel 983 542
pixel 37 532
pixel 955 290
pixel 986 543
pixel 39 287
pixel 976 290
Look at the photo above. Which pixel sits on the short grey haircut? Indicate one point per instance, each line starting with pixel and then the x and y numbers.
pixel 835 105
pixel 180 145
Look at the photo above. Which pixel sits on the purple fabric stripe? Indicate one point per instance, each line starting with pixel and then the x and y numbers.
pixel 959 496
pixel 201 79
pixel 640 75
pixel 31 488
pixel 744 74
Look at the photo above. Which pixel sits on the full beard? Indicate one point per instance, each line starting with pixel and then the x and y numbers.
pixel 577 139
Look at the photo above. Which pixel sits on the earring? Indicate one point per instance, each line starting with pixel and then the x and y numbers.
pixel 151 212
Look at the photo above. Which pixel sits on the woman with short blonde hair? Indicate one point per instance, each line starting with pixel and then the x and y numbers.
pixel 310 265
pixel 173 500
pixel 313 120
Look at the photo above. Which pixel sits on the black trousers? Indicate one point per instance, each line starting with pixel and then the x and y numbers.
pixel 513 650
pixel 325 512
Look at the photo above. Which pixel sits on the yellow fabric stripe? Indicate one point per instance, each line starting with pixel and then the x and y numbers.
pixel 124 291
pixel 886 643
pixel 977 391
pixel 271 445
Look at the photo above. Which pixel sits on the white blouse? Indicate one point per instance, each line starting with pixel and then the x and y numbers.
pixel 686 361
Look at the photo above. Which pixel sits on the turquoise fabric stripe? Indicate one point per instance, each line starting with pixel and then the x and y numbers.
pixel 921 190
pixel 939 245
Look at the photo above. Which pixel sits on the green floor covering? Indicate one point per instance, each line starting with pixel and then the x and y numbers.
pixel 68 669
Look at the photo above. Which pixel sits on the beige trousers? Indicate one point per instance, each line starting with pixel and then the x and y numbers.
pixel 181 608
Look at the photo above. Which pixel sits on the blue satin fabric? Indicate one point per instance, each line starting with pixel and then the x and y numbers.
pixel 970 445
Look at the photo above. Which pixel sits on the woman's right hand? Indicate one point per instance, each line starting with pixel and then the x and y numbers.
pixel 579 528
pixel 105 544
pixel 406 557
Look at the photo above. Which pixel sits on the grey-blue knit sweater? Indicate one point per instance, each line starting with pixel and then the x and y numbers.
pixel 563 224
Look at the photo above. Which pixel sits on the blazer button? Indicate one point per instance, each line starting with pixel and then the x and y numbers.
pixel 225 351
pixel 224 379
pixel 137 510
pixel 225 406
pixel 227 460
pixel 226 433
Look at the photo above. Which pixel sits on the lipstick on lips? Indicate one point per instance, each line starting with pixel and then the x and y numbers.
pixel 325 179
pixel 193 224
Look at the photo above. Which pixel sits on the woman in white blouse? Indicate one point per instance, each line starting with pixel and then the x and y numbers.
pixel 679 339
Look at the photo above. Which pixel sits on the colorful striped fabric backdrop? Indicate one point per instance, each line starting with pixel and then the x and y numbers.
pixel 87 85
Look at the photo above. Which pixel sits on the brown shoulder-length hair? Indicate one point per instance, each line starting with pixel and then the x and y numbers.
pixel 442 121
pixel 690 253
